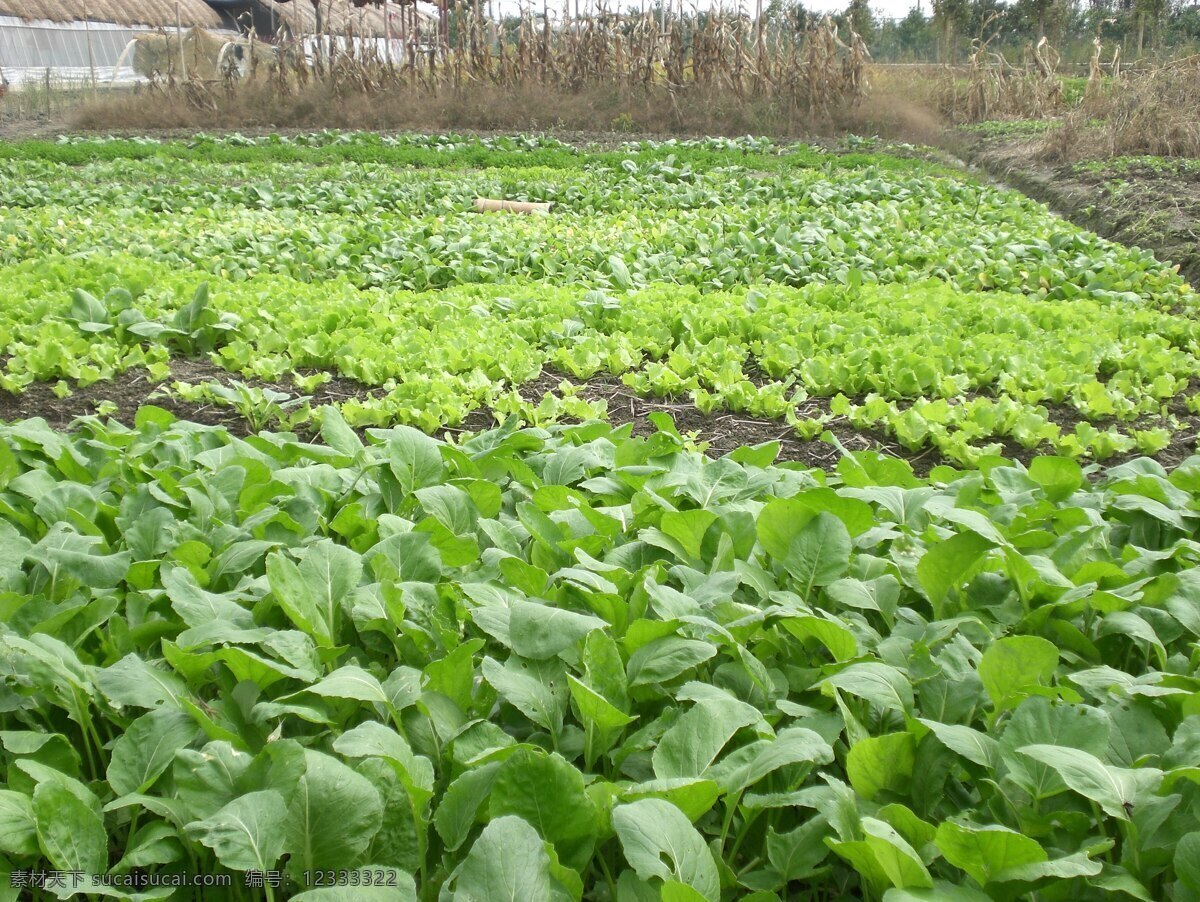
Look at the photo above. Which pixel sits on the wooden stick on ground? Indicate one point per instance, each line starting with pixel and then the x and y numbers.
pixel 489 205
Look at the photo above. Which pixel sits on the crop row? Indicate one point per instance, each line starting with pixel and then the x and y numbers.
pixel 613 227
pixel 444 151
pixel 928 363
pixel 544 663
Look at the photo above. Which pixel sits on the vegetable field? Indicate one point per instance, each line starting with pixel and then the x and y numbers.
pixel 360 648
pixel 867 291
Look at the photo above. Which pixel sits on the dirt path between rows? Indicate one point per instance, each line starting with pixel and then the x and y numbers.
pixel 721 431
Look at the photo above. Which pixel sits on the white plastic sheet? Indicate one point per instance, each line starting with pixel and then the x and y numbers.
pixel 28 49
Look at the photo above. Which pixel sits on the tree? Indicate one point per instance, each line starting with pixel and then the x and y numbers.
pixel 858 14
pixel 789 15
pixel 1044 17
pixel 949 16
pixel 1151 11
pixel 913 34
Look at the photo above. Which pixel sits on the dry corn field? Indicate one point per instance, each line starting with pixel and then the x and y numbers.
pixel 991 86
pixel 815 73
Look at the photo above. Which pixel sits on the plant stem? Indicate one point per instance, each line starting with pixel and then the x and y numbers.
pixel 731 805
pixel 1099 815
pixel 608 877
pixel 737 843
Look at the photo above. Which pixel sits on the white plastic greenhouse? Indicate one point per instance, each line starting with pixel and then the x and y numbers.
pixel 78 42
pixel 68 42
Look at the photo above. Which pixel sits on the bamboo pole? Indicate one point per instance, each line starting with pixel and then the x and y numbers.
pixel 179 37
pixel 416 35
pixel 403 34
pixel 87 26
pixel 408 13
pixel 490 205
pixel 387 34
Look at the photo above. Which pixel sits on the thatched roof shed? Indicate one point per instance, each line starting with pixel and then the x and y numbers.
pixel 153 13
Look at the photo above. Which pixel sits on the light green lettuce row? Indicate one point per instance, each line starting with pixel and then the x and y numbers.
pixel 976 371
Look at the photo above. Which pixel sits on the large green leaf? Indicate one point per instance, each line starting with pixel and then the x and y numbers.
pixel 1037 721
pixel 313 592
pixel 199 607
pixel 1059 477
pixel 18 828
pixel 829 632
pixel 332 817
pixel 508 861
pixel 531 688
pixel 664 659
pixel 692 743
pixel 946 565
pixel 883 858
pixel 878 683
pixel 659 841
pixel 413 459
pixel 542 631
pixel 133 682
pixel 815 550
pixel 898 860
pixel 337 433
pixel 147 748
pixel 1187 861
pixel 350 682
pixel 880 763
pixel 248 833
pixel 1015 664
pixel 1114 789
pixel 796 854
pixel 984 852
pixel 973 745
pixel 459 806
pixel 740 769
pixel 688 528
pixel 373 739
pixel 210 778
pixel 70 834
pixel 548 793
pixel 595 709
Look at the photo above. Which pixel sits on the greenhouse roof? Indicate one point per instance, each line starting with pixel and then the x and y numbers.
pixel 122 12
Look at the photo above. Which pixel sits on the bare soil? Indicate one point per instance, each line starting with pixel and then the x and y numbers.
pixel 721 432
pixel 135 388
pixel 724 431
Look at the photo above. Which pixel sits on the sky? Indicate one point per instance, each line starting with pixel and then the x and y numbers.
pixel 883 9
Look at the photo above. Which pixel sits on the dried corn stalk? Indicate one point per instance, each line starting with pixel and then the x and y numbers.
pixel 696 58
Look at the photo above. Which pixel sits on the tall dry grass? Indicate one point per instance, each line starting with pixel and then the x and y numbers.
pixel 1153 111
